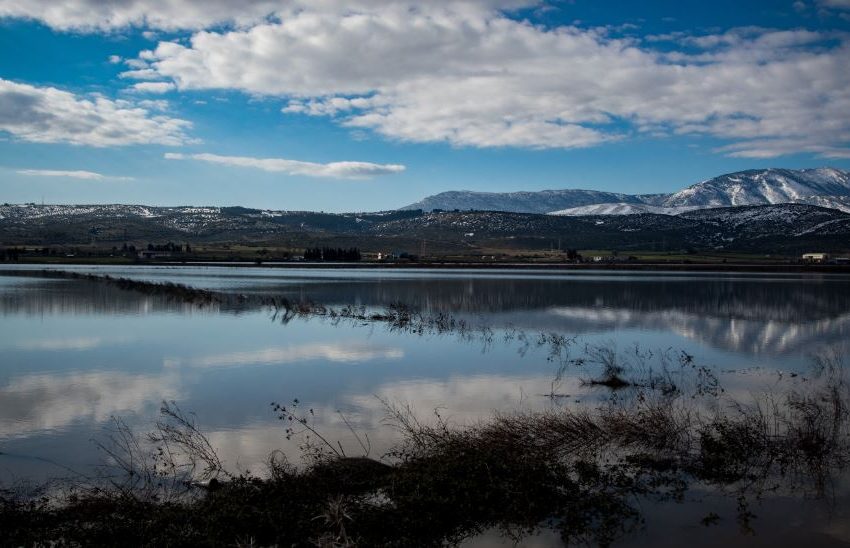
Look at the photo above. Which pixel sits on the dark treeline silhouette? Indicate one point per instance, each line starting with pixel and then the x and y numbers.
pixel 170 246
pixel 332 254
pixel 11 254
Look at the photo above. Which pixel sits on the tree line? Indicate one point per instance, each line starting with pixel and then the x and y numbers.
pixel 170 246
pixel 11 254
pixel 351 254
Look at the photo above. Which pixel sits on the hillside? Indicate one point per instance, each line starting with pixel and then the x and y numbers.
pixel 544 201
pixel 785 228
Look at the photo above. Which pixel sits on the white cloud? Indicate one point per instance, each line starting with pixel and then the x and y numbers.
pixel 338 170
pixel 465 73
pixel 154 104
pixel 50 115
pixel 114 59
pixel 100 15
pixel 153 87
pixel 471 76
pixel 89 175
pixel 141 74
pixel 136 63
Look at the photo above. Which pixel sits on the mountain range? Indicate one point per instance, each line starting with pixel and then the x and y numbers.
pixel 762 211
pixel 824 187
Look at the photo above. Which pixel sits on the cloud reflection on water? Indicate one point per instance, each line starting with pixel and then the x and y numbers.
pixel 339 352
pixel 30 404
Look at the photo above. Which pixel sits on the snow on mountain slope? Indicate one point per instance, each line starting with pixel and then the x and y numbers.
pixel 543 201
pixel 621 209
pixel 826 187
pixel 32 211
pixel 779 219
pixel 841 203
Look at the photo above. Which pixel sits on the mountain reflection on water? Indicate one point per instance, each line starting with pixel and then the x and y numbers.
pixel 753 314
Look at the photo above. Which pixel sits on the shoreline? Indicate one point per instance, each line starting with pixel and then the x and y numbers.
pixel 622 267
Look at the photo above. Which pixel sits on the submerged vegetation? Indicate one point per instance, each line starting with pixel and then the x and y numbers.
pixel 583 472
pixel 662 429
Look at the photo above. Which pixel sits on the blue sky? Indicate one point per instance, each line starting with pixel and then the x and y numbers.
pixel 374 104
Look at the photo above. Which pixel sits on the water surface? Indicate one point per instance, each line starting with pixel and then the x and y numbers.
pixel 77 353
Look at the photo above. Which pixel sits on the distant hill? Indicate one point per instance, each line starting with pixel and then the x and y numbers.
pixel 76 224
pixel 781 228
pixel 786 228
pixel 544 201
pixel 825 187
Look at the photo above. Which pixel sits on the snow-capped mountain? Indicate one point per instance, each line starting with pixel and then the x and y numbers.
pixel 824 187
pixel 768 186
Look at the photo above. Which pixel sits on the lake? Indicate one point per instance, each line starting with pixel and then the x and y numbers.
pixel 77 354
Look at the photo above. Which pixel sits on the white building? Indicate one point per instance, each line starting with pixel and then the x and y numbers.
pixel 815 257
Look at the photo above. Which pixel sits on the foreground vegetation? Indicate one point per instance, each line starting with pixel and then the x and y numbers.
pixel 582 472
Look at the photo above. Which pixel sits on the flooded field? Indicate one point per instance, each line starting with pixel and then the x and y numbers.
pixel 449 347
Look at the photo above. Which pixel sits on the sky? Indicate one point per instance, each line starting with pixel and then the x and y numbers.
pixel 367 105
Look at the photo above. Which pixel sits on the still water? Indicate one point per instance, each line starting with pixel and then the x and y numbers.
pixel 75 354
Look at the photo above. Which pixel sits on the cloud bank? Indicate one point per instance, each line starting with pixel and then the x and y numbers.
pixel 79 174
pixel 469 73
pixel 337 170
pixel 478 78
pixel 50 115
pixel 100 15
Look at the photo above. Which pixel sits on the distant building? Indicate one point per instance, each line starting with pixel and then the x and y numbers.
pixel 815 257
